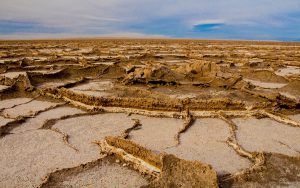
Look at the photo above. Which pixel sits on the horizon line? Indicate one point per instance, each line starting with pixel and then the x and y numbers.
pixel 139 38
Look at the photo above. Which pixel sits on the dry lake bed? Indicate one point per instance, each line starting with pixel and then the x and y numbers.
pixel 149 113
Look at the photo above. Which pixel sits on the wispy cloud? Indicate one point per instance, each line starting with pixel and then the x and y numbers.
pixel 256 19
pixel 208 21
pixel 10 27
pixel 47 35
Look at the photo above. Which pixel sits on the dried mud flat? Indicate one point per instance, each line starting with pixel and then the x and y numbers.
pixel 149 113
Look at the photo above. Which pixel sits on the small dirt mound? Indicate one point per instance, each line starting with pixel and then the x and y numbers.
pixel 160 74
pixel 200 68
pixel 156 73
pixel 181 173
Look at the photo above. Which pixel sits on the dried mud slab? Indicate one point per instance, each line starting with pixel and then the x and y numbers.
pixel 101 173
pixel 267 85
pixel 156 133
pixel 83 131
pixel 28 157
pixel 28 109
pixel 38 121
pixel 266 135
pixel 95 88
pixel 205 141
pixel 9 103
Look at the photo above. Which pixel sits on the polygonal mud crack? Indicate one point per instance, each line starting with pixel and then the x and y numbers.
pixel 30 156
pixel 28 109
pixel 206 141
pixel 83 131
pixel 10 103
pixel 156 133
pixel 101 173
pixel 197 99
pixel 268 135
pixel 40 119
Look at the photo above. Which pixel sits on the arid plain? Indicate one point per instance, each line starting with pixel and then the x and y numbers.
pixel 149 113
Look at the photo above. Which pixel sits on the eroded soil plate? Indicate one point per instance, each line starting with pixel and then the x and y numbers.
pixel 149 113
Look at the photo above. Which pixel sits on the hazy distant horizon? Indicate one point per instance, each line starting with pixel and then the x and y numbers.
pixel 88 37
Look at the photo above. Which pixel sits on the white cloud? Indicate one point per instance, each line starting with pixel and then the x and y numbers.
pixel 209 21
pixel 115 16
pixel 18 36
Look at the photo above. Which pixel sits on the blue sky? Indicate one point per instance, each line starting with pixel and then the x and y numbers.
pixel 214 19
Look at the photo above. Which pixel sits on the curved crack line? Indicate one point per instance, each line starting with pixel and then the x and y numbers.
pixel 2 109
pixel 188 122
pixel 280 118
pixel 137 125
pixel 286 145
pixel 49 123
pixel 257 159
pixel 5 130
pixel 33 114
pixel 232 139
pixel 79 167
pixel 65 138
pixel 257 165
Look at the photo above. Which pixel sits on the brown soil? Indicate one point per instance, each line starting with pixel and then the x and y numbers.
pixel 278 171
pixel 177 172
pixel 149 112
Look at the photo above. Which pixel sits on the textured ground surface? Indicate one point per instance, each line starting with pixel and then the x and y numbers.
pixel 149 113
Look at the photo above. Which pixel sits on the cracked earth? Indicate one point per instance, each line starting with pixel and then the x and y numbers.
pixel 149 113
